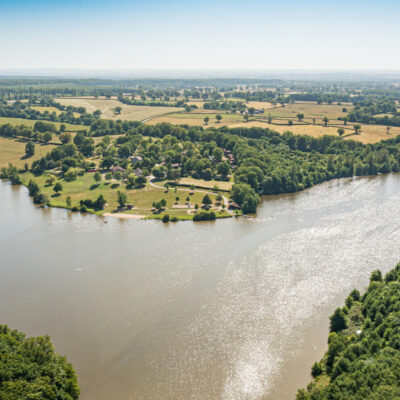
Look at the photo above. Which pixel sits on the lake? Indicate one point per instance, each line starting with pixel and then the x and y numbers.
pixel 234 309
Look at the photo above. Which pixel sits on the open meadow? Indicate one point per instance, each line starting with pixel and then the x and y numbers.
pixel 310 110
pixel 369 133
pixel 197 119
pixel 201 183
pixel 128 112
pixel 280 121
pixel 31 123
pixel 260 104
pixel 13 151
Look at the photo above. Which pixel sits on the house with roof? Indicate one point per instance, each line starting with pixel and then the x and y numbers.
pixel 135 159
pixel 117 168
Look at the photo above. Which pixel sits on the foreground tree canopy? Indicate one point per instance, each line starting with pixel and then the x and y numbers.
pixel 30 369
pixel 363 358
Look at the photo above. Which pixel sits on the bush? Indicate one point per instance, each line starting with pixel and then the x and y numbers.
pixel 33 188
pixel 70 176
pixel 165 218
pixel 204 216
pixel 316 370
pixel 40 198
pixel 338 321
pixel 174 219
pixel 97 204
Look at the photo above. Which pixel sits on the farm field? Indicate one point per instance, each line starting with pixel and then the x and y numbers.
pixel 198 103
pixel 310 110
pixel 128 113
pixel 196 119
pixel 31 122
pixel 280 118
pixel 13 151
pixel 50 110
pixel 84 187
pixel 260 104
pixel 369 133
pixel 206 111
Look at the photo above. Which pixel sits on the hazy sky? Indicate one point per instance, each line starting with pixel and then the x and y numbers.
pixel 175 34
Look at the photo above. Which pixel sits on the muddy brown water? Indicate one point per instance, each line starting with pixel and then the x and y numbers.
pixel 232 310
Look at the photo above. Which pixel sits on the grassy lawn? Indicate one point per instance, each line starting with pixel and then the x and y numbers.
pixel 84 187
pixel 200 183
pixel 13 151
pixel 31 122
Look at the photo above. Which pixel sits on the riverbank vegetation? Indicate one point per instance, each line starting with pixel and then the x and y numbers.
pixel 363 359
pixel 134 156
pixel 31 369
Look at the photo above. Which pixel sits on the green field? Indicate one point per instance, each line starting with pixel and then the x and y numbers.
pixel 13 151
pixel 31 123
pixel 201 183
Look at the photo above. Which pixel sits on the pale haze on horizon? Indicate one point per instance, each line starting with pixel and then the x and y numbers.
pixel 88 34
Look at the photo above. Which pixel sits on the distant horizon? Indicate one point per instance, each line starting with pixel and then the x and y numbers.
pixel 192 73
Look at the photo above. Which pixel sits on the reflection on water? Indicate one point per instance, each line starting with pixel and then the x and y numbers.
pixel 236 310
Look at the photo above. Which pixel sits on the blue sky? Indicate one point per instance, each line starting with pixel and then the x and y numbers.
pixel 219 34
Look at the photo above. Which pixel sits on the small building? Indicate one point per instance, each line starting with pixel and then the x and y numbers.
pixel 117 168
pixel 135 159
pixel 92 170
pixel 233 205
pixel 138 172
pixel 129 206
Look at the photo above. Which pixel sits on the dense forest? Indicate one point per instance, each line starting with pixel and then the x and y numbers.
pixel 30 369
pixel 363 358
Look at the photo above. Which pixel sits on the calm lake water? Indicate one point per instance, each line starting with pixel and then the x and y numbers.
pixel 232 310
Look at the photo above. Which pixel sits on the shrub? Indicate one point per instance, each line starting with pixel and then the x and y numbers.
pixel 204 216
pixel 40 198
pixel 316 370
pixel 165 218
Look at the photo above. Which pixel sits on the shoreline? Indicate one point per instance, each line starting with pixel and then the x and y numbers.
pixel 123 216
